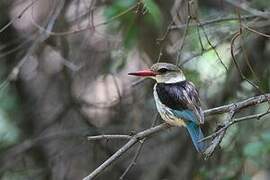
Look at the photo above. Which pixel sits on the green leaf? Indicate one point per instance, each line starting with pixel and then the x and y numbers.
pixel 117 7
pixel 131 35
pixel 154 11
pixel 125 23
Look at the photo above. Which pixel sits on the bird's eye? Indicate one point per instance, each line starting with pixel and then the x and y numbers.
pixel 162 70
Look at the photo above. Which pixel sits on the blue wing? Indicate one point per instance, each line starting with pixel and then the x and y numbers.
pixel 186 115
pixel 193 128
pixel 196 135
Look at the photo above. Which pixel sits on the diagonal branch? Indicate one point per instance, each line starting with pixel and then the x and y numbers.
pixel 127 146
pixel 137 154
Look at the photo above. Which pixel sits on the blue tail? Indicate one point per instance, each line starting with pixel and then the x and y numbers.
pixel 196 135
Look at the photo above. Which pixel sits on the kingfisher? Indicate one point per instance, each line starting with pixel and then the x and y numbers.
pixel 177 100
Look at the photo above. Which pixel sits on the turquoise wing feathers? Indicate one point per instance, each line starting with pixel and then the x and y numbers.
pixel 196 135
pixel 193 128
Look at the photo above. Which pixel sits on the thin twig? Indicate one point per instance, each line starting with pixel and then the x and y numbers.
pixel 234 121
pixel 181 46
pixel 182 42
pixel 144 134
pixel 51 33
pixel 40 37
pixel 19 16
pixel 134 160
pixel 205 50
pixel 212 46
pixel 138 151
pixel 239 105
pixel 255 31
pixel 107 137
pixel 164 36
pixel 236 36
pixel 212 21
pixel 161 40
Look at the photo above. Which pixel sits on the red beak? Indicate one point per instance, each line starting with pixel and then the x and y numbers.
pixel 143 73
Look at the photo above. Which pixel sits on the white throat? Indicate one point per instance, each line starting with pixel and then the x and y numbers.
pixel 175 79
pixel 170 79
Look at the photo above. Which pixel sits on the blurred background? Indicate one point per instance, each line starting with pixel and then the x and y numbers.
pixel 63 72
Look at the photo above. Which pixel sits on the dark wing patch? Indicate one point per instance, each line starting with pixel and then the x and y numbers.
pixel 171 95
pixel 180 96
pixel 192 96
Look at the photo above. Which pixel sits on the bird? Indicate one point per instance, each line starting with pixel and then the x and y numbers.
pixel 177 100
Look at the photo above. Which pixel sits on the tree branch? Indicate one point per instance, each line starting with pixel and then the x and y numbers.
pixel 139 149
pixel 134 160
pixel 127 146
pixel 234 121
pixel 232 108
pixel 239 105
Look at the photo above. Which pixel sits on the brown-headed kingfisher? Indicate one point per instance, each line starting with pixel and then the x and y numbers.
pixel 177 100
